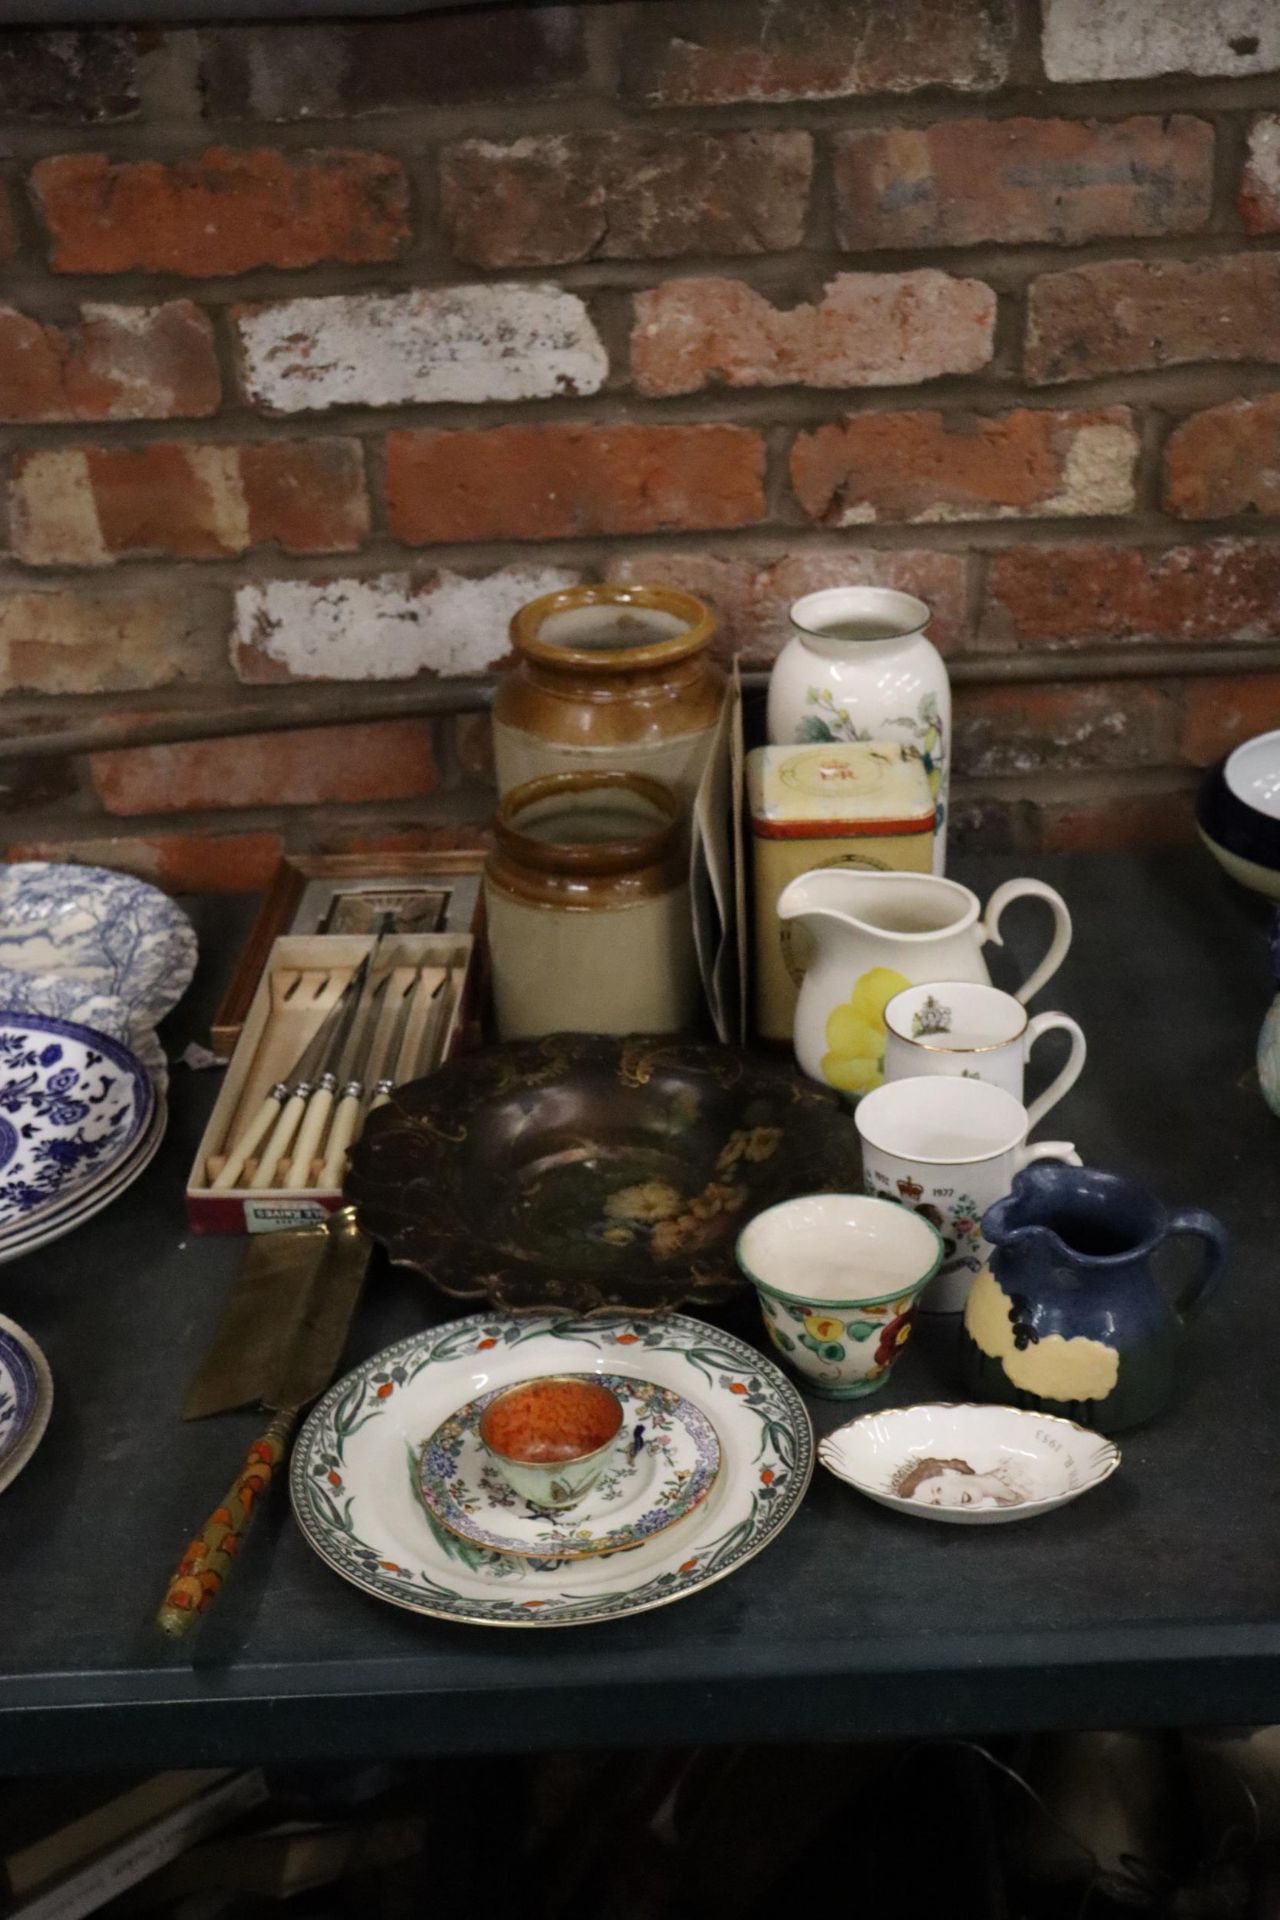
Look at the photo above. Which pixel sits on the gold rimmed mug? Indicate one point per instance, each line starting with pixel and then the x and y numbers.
pixel 975 1032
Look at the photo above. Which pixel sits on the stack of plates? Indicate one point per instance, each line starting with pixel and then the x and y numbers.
pixel 719 1454
pixel 26 1399
pixel 79 1120
pixel 95 947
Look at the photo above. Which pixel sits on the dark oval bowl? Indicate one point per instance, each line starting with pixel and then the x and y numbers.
pixel 587 1173
pixel 1244 840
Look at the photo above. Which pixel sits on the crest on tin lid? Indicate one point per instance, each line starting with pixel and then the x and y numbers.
pixel 858 786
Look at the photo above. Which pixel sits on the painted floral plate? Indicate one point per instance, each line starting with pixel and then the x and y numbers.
pixel 968 1464
pixel 72 1105
pixel 665 1465
pixel 45 1225
pixel 583 1173
pixel 354 1474
pixel 26 1399
pixel 95 947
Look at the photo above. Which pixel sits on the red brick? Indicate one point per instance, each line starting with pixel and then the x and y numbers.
pixel 473 746
pixel 1144 39
pixel 548 483
pixel 66 75
pixel 119 363
pixel 87 506
pixel 1003 731
pixel 963 466
pixel 1218 713
pixel 752 596
pixel 967 181
pixel 178 862
pixel 552 198
pixel 1124 315
pixel 73 640
pixel 1259 198
pixel 312 766
pixel 225 211
pixel 868 329
pixel 1090 595
pixel 311 70
pixel 1223 461
pixel 1119 822
pixel 711 54
pixel 385 626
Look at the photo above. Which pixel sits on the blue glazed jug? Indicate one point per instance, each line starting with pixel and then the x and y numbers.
pixel 1069 1317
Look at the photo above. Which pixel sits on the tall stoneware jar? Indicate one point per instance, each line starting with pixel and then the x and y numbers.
pixel 860 666
pixel 587 903
pixel 616 677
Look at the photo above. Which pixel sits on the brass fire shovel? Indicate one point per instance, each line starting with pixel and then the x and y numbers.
pixel 279 1341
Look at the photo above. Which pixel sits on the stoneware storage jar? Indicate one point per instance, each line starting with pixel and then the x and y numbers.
pixel 618 677
pixel 587 898
pixel 860 666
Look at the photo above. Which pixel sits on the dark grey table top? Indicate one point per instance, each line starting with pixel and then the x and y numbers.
pixel 1156 1600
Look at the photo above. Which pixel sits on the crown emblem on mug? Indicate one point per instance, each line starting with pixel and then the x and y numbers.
pixel 910 1189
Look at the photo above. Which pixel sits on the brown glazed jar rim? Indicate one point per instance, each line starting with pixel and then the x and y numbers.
pixel 646 849
pixel 527 623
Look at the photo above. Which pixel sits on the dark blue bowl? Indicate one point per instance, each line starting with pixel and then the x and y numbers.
pixel 1244 839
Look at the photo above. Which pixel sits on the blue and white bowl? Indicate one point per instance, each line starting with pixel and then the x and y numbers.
pixel 26 1399
pixel 73 1103
pixel 1238 814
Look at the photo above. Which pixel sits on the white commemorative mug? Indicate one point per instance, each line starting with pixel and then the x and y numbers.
pixel 949 1149
pixel 974 1032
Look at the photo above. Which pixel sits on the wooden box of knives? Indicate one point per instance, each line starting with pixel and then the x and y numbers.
pixel 330 1031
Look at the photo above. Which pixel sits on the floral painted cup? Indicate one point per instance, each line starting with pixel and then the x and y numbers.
pixel 838 1276
pixel 550 1438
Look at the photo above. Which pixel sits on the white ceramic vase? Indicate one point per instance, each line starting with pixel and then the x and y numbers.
pixel 860 666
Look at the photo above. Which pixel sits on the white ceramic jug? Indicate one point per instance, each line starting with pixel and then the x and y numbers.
pixel 874 934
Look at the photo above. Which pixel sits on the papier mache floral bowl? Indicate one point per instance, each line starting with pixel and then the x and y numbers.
pixel 586 1172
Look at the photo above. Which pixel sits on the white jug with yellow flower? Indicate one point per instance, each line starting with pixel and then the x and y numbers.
pixel 874 934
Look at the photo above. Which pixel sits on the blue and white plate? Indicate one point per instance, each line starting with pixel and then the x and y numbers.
pixel 47 1224
pixel 64 997
pixel 26 1399
pixel 95 947
pixel 72 1105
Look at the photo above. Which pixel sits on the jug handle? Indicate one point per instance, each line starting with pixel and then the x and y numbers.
pixel 989 927
pixel 1202 1284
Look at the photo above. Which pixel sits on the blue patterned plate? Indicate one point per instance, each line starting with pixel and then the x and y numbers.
pixel 26 1398
pixel 98 948
pixel 46 1224
pixel 354 1473
pixel 72 1105
pixel 665 1465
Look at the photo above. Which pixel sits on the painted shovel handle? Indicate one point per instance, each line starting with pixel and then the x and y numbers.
pixel 209 1558
pixel 1217 1240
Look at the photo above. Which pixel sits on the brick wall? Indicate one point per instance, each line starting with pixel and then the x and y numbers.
pixel 323 347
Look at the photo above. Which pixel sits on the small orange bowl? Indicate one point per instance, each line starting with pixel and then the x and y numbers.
pixel 551 1437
